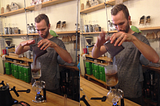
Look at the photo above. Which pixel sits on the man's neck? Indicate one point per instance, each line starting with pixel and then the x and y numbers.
pixel 49 36
pixel 130 31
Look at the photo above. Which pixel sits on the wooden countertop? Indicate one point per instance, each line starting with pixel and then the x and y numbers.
pixel 94 90
pixel 52 99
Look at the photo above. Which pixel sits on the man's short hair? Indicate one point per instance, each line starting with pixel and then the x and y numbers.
pixel 120 7
pixel 40 17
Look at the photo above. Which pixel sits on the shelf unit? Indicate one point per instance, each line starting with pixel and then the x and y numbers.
pixel 92 77
pixel 102 6
pixel 150 28
pixel 142 29
pixel 100 58
pixel 17 58
pixel 14 35
pixel 60 33
pixel 47 4
pixel 99 6
pixel 95 33
pixel 14 12
pixel 23 64
pixel 35 34
pixel 31 8
pixel 107 61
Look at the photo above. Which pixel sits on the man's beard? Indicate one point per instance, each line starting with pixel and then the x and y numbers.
pixel 126 29
pixel 46 35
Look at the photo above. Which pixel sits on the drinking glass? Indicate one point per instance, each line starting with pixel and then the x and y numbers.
pixel 111 75
pixel 36 70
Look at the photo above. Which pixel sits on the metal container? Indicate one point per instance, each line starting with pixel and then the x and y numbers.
pixel 86 28
pixel 5 30
pixel 113 50
pixel 90 27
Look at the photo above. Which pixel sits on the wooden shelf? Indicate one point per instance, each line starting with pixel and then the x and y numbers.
pixel 22 58
pixel 99 6
pixel 150 28
pixel 23 64
pixel 113 31
pixel 91 33
pixel 93 8
pixel 104 64
pixel 67 32
pixel 94 33
pixel 15 35
pixel 21 10
pixel 60 33
pixel 31 8
pixel 53 2
pixel 100 58
pixel 32 34
pixel 92 77
pixel 142 29
pixel 47 3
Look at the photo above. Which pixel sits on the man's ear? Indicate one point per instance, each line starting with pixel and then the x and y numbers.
pixel 129 18
pixel 49 26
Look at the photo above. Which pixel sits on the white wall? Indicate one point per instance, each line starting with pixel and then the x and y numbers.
pixel 137 9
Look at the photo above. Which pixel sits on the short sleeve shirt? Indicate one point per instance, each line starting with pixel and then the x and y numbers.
pixel 49 63
pixel 129 71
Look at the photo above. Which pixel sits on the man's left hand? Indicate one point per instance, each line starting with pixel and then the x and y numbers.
pixel 45 43
pixel 121 37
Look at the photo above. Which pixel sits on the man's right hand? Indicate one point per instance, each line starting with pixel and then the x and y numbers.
pixel 27 43
pixel 98 48
pixel 24 46
pixel 101 39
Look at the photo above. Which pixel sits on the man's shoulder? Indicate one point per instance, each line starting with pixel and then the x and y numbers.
pixel 140 36
pixel 56 40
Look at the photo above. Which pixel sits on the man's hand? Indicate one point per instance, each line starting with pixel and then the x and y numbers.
pixel 45 43
pixel 24 46
pixel 101 39
pixel 27 43
pixel 121 37
pixel 99 48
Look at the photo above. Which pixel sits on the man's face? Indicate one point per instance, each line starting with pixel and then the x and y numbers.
pixel 42 29
pixel 120 22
